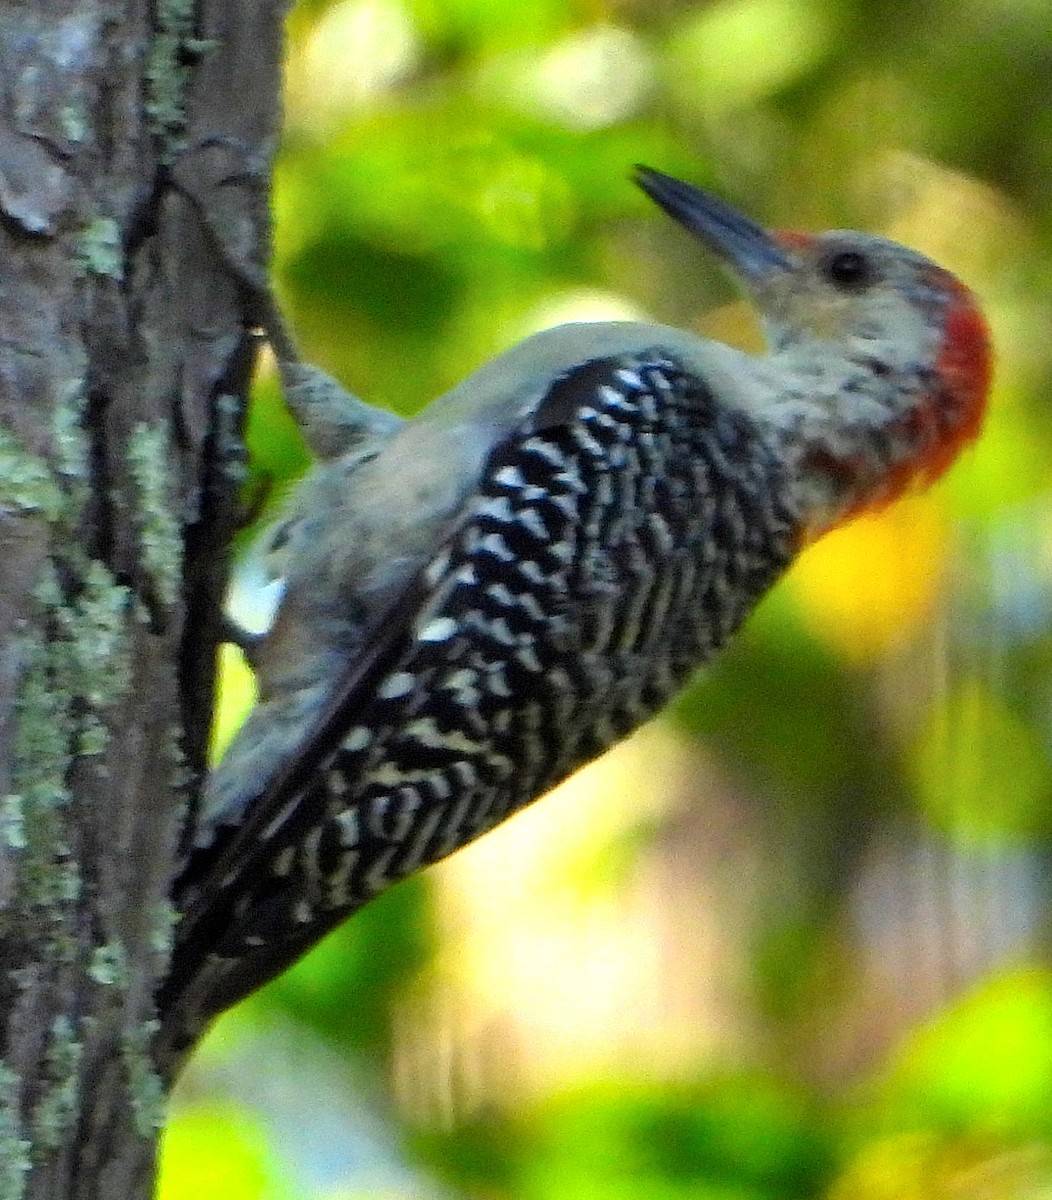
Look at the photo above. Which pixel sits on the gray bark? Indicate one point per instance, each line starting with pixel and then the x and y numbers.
pixel 135 153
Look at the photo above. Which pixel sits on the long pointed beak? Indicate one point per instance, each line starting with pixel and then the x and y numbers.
pixel 748 248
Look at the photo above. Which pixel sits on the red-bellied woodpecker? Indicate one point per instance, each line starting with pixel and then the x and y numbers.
pixel 477 602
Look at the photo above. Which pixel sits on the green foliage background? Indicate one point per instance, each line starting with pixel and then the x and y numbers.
pixel 794 943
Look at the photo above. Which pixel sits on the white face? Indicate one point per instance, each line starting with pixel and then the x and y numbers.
pixel 861 294
pixel 878 372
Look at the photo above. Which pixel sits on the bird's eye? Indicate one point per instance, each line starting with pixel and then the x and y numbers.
pixel 849 270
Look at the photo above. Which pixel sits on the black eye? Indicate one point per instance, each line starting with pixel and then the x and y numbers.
pixel 849 270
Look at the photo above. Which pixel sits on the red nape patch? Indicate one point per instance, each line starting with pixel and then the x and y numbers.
pixel 793 239
pixel 950 418
pixel 943 422
pixel 966 363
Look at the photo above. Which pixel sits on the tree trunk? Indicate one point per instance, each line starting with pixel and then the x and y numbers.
pixel 135 154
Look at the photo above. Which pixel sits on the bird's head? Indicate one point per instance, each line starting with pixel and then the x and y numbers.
pixel 880 359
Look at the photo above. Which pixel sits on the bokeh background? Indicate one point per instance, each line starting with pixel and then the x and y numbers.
pixel 792 940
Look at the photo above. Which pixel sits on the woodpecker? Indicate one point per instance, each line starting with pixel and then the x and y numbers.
pixel 477 602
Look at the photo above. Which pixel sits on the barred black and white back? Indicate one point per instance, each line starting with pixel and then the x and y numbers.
pixel 612 544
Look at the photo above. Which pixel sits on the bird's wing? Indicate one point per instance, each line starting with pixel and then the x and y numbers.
pixel 238 844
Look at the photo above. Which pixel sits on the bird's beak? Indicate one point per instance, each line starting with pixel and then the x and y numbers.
pixel 753 253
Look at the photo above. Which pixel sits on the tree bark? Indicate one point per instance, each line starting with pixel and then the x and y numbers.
pixel 135 151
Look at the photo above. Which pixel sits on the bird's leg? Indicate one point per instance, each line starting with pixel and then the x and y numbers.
pixel 245 640
pixel 341 431
pixel 331 419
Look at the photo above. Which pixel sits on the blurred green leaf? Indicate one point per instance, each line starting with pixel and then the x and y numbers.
pixel 985 1065
pixel 742 1137
pixel 210 1151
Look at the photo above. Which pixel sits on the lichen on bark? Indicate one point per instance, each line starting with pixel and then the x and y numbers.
pixel 14 1146
pixel 124 140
